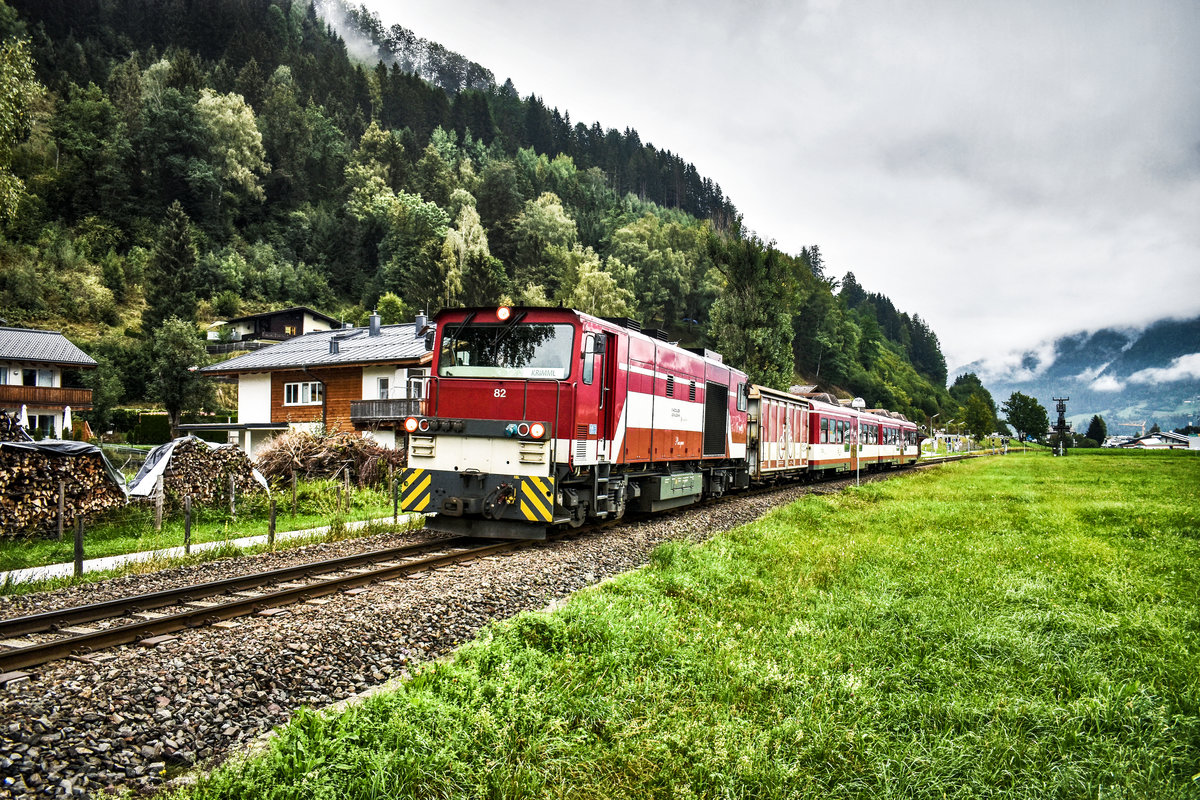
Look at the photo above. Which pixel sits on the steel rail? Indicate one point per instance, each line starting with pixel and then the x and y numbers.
pixel 126 634
pixel 123 606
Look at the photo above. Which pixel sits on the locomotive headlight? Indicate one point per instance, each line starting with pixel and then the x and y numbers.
pixel 503 313
pixel 537 430
pixel 410 425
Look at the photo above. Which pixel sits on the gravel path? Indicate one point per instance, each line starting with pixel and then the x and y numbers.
pixel 133 716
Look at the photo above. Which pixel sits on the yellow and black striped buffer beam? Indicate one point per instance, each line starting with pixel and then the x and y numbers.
pixel 415 494
pixel 535 499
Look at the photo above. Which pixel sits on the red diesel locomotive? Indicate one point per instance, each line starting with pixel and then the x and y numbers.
pixel 539 417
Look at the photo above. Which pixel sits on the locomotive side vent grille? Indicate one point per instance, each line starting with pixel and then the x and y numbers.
pixel 670 386
pixel 581 442
pixel 692 391
pixel 716 420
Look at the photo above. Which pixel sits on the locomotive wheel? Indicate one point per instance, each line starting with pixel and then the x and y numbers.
pixel 578 515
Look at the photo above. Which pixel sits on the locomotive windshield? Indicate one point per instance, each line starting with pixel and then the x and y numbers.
pixel 512 350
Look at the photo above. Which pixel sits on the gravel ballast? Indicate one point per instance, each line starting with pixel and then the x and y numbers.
pixel 134 716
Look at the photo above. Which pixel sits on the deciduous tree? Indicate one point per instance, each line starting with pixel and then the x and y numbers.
pixel 176 350
pixel 1027 416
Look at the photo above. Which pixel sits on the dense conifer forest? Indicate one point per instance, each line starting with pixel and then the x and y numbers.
pixel 206 158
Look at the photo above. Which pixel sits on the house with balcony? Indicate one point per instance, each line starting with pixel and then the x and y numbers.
pixel 255 331
pixel 32 365
pixel 345 379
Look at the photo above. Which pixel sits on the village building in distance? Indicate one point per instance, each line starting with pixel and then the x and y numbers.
pixel 255 331
pixel 31 379
pixel 343 379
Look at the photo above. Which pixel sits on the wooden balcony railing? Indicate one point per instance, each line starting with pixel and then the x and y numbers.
pixel 45 397
pixel 368 411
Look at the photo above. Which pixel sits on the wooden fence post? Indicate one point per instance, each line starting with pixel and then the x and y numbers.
pixel 395 501
pixel 78 546
pixel 293 494
pixel 158 503
pixel 232 498
pixel 62 502
pixel 271 526
pixel 347 479
pixel 187 525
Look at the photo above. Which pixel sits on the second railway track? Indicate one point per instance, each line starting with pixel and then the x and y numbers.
pixel 164 612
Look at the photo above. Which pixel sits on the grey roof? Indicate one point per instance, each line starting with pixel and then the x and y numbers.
pixel 46 347
pixel 306 309
pixel 355 346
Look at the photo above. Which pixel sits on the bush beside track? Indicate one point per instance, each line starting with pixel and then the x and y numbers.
pixel 1017 627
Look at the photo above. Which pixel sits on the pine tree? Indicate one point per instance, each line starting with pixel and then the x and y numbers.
pixel 1097 430
pixel 170 276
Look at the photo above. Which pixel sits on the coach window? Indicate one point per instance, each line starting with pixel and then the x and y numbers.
pixel 589 358
pixel 824 431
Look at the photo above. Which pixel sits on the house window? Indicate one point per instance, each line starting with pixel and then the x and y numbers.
pixel 3 374
pixel 416 383
pixel 310 393
pixel 384 388
pixel 289 330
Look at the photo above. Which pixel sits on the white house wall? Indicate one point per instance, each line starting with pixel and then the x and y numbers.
pixel 254 397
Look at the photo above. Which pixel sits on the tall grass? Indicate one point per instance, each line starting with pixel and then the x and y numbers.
pixel 1009 627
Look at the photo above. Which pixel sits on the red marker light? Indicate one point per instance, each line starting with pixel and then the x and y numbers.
pixel 503 313
pixel 423 425
pixel 537 430
pixel 410 424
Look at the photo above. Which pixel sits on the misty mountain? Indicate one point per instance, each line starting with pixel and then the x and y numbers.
pixel 1123 375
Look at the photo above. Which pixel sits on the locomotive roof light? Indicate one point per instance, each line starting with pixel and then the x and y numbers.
pixel 537 430
pixel 410 425
pixel 503 313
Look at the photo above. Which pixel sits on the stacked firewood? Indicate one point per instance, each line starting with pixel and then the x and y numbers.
pixel 29 484
pixel 203 472
pixel 306 455
pixel 10 431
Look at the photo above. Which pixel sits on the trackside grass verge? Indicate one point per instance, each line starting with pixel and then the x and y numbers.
pixel 1005 627
pixel 131 528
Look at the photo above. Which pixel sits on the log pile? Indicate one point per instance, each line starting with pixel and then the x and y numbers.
pixel 193 468
pixel 29 480
pixel 305 455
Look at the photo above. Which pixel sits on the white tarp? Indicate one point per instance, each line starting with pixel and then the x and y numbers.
pixel 143 483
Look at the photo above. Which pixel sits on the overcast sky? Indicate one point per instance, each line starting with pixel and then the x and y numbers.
pixel 1010 171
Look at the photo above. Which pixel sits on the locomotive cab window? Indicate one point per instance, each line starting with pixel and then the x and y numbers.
pixel 589 358
pixel 507 350
pixel 742 398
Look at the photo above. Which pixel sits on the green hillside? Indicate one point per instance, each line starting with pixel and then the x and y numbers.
pixel 205 159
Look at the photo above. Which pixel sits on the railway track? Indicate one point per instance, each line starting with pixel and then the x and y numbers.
pixel 49 636
pixel 39 638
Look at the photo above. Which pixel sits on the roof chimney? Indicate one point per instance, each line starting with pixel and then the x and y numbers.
pixel 333 347
pixel 421 322
pixel 347 325
pixel 374 320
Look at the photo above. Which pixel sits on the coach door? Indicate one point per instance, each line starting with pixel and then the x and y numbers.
pixel 855 435
pixel 607 345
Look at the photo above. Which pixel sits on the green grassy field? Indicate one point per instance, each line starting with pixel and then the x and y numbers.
pixel 131 529
pixel 1019 627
